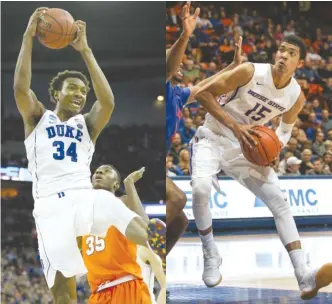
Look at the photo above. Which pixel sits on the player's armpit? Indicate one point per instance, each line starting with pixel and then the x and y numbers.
pixel 291 115
pixel 97 119
pixel 136 231
pixel 79 240
pixel 230 80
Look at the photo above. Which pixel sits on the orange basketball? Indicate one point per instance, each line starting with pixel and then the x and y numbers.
pixel 267 149
pixel 56 28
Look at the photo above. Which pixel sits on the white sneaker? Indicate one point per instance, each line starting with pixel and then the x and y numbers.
pixel 212 261
pixel 313 280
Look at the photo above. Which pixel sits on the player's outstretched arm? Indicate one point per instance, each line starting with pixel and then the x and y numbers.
pixel 26 100
pixel 132 199
pixel 146 254
pixel 284 130
pixel 237 60
pixel 175 54
pixel 102 109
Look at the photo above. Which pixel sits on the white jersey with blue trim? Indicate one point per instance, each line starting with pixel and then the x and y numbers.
pixel 59 155
pixel 255 103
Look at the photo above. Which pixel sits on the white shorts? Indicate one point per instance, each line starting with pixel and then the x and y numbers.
pixel 62 217
pixel 211 153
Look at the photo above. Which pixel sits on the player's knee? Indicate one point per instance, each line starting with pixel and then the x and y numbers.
pixel 201 190
pixel 278 205
pixel 178 199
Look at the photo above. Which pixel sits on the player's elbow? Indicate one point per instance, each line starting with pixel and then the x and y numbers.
pixel 137 231
pixel 203 97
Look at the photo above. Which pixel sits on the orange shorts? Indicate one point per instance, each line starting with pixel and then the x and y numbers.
pixel 131 292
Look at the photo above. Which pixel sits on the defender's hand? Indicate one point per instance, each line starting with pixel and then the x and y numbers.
pixel 188 22
pixel 81 42
pixel 238 52
pixel 33 21
pixel 135 176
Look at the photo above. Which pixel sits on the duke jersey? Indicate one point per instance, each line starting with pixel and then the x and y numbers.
pixel 255 103
pixel 59 155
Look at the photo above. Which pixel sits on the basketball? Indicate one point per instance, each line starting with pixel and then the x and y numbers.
pixel 56 28
pixel 267 149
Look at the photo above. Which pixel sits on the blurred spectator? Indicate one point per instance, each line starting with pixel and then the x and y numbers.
pixel 283 163
pixel 183 168
pixel 327 160
pixel 176 147
pixel 306 164
pixel 292 146
pixel 299 135
pixel 293 166
pixel 170 168
pixel 318 168
pixel 326 121
pixel 187 132
pixel 318 146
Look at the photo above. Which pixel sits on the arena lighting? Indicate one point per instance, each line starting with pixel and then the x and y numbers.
pixel 159 102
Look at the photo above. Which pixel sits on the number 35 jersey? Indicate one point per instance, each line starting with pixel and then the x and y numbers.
pixel 59 155
pixel 255 103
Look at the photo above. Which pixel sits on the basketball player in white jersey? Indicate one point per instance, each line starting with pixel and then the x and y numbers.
pixel 59 146
pixel 255 93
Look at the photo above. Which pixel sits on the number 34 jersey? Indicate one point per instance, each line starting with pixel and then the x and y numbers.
pixel 255 103
pixel 59 155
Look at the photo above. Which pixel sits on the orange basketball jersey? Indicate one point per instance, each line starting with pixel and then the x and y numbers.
pixel 109 258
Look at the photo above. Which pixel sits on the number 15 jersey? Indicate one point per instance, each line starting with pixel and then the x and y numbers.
pixel 255 103
pixel 59 155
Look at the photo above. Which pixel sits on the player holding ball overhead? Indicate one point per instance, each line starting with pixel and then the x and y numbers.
pixel 251 95
pixel 60 145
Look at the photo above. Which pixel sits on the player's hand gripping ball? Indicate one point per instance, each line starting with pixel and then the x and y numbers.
pixel 157 238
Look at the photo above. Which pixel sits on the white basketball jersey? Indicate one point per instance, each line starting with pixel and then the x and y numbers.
pixel 59 155
pixel 255 103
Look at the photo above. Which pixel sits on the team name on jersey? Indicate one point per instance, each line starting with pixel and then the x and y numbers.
pixel 64 131
pixel 266 100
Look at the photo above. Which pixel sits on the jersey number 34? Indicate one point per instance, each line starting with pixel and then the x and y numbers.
pixel 60 151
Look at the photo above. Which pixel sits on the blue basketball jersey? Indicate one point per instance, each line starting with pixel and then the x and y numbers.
pixel 176 97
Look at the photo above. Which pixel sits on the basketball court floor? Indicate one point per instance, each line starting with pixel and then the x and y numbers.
pixel 256 269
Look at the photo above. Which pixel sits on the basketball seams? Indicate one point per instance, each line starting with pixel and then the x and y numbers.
pixel 263 131
pixel 60 36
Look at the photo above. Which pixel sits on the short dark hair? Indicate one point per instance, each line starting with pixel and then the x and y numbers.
pixel 57 82
pixel 116 171
pixel 295 40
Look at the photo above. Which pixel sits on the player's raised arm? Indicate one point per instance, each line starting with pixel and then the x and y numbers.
pixel 284 130
pixel 146 254
pixel 102 109
pixel 237 60
pixel 132 199
pixel 175 54
pixel 26 100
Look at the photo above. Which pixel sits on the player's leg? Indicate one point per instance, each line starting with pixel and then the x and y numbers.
pixel 175 229
pixel 64 289
pixel 205 159
pixel 265 185
pixel 176 220
pixel 60 257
